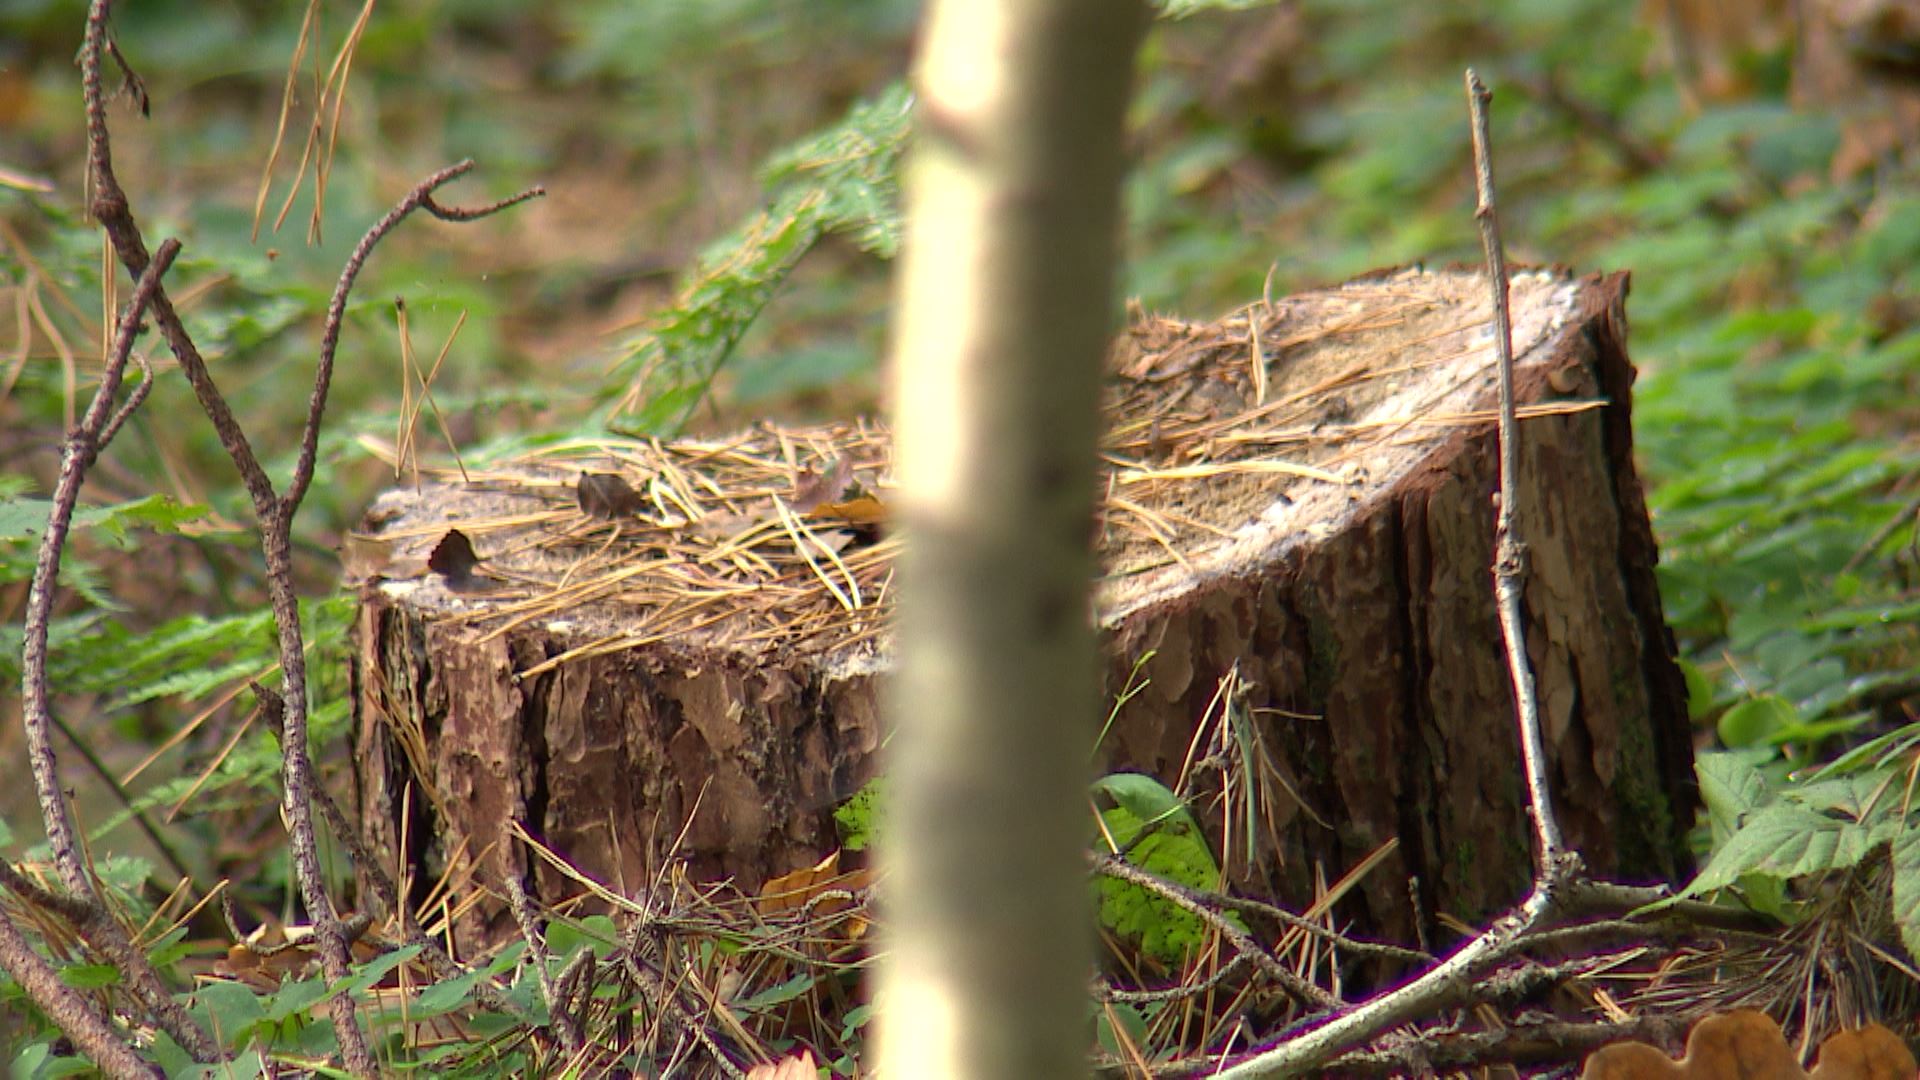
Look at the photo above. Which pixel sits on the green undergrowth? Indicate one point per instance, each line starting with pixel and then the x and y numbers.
pixel 1771 319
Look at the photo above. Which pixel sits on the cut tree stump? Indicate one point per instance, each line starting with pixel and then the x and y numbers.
pixel 647 655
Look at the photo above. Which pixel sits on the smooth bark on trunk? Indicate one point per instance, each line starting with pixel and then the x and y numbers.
pixel 1006 299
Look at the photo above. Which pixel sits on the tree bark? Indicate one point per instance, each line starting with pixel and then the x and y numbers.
pixel 1319 541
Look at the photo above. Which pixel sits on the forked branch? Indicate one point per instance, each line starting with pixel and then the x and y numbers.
pixel 274 513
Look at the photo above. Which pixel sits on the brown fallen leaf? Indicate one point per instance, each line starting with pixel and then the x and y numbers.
pixel 829 484
pixel 1871 1053
pixel 862 509
pixel 453 558
pixel 1748 1045
pixel 801 887
pixel 606 496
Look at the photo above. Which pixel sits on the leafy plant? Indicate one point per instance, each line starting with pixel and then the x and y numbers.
pixel 840 181
pixel 1773 840
pixel 1160 835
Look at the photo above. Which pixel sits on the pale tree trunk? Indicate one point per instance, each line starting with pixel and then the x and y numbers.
pixel 1006 300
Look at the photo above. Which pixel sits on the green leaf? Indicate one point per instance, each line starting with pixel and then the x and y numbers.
pixel 158 513
pixel 169 948
pixel 1856 797
pixel 567 936
pixel 1731 788
pixel 90 976
pixel 173 1060
pixel 793 988
pixel 1757 720
pixel 230 1009
pixel 857 1018
pixel 24 519
pixel 1160 929
pixel 1786 841
pixel 1699 690
pixel 859 817
pixel 843 180
pixel 1146 798
pixel 1906 887
pixel 445 995
pixel 31 1057
pixel 1131 1022
pixel 295 997
pixel 366 975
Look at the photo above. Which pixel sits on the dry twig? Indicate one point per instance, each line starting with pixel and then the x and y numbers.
pixel 1510 552
pixel 274 513
pixel 1556 868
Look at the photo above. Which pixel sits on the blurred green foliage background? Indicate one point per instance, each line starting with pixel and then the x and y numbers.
pixel 1772 245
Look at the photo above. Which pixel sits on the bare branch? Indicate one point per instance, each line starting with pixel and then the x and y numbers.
pixel 1550 1041
pixel 109 207
pixel 81 449
pixel 91 1033
pixel 1556 868
pixel 1510 552
pixel 275 515
pixel 523 916
pixel 420 198
pixel 1354 946
pixel 77 456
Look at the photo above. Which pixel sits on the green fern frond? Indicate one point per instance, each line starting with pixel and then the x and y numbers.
pixel 841 181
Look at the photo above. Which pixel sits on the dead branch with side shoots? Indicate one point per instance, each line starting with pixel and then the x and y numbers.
pixel 275 513
pixel 83 445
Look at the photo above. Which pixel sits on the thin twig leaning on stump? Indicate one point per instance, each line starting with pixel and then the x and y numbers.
pixel 1555 867
pixel 91 1030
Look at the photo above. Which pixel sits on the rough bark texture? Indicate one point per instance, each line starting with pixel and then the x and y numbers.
pixel 604 759
pixel 1355 617
pixel 1380 647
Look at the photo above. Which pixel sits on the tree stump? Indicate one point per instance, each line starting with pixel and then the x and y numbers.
pixel 646 654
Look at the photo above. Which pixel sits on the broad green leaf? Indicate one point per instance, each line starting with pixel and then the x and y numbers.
pixel 1699 690
pixel 1756 720
pixel 230 1009
pixel 169 948
pixel 1131 1022
pixel 1146 798
pixel 857 1018
pixel 566 936
pixel 858 818
pixel 1161 930
pixel 1906 887
pixel 445 995
pixel 366 975
pixel 1856 796
pixel 1784 840
pixel 89 976
pixel 1730 787
pixel 295 997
